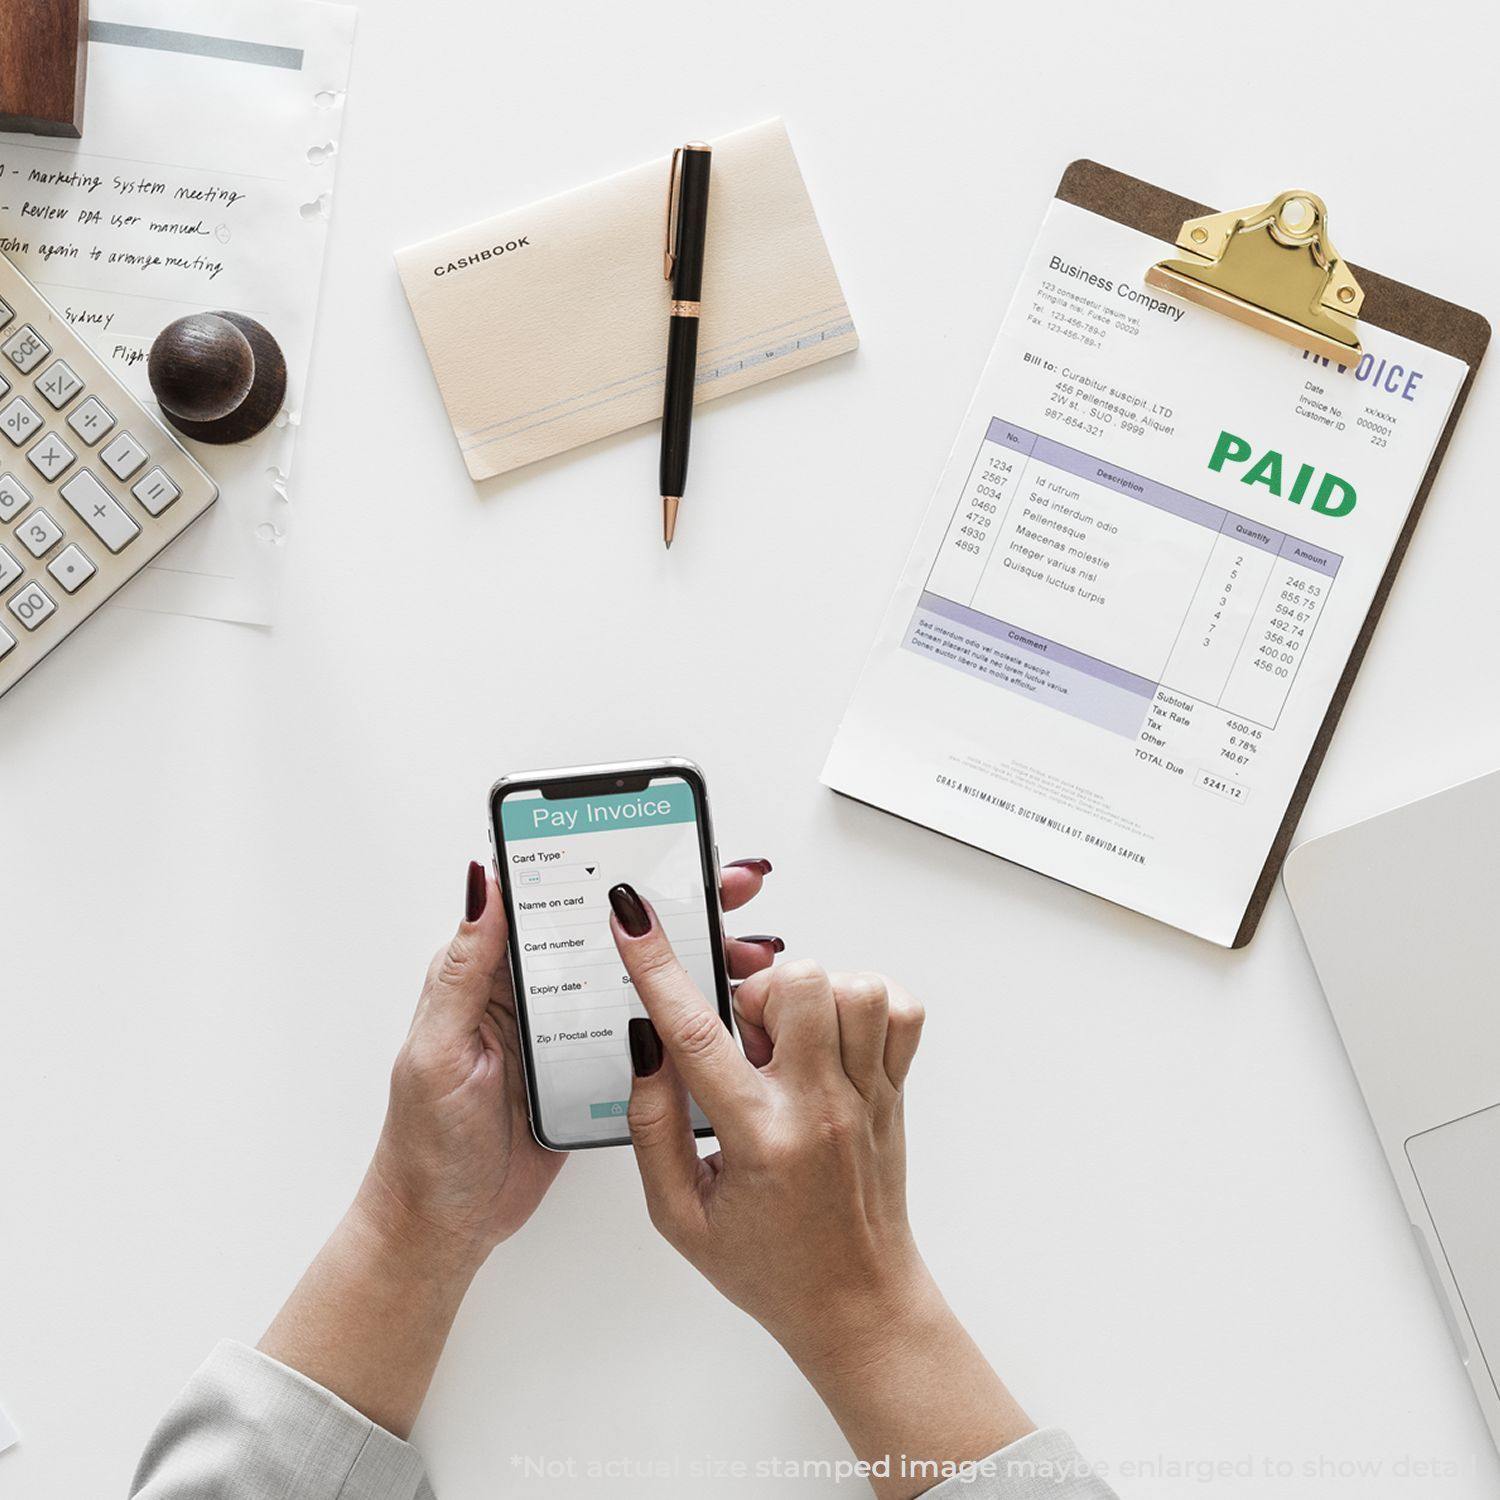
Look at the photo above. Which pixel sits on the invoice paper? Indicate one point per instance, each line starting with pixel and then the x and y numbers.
pixel 1147 560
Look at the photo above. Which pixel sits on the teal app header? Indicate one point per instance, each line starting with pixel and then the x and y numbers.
pixel 545 818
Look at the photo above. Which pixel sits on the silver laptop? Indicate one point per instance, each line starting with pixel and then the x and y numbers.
pixel 1402 917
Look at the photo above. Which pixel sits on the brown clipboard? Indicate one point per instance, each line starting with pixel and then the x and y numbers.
pixel 1388 304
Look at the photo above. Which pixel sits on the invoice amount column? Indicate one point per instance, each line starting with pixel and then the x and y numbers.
pixel 1289 609
pixel 981 508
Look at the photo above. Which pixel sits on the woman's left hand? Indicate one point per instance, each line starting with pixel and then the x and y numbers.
pixel 455 1172
pixel 456 1160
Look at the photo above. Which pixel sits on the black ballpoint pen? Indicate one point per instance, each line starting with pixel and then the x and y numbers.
pixel 687 231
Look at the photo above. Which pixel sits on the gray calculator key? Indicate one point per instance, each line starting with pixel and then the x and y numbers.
pixel 39 533
pixel 123 456
pixel 19 420
pixel 51 456
pixel 91 420
pixel 71 569
pixel 32 605
pixel 25 349
pixel 96 508
pixel 5 315
pixel 10 570
pixel 7 641
pixel 14 497
pixel 58 384
pixel 156 492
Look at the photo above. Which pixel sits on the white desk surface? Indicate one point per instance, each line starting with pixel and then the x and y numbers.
pixel 1140 1165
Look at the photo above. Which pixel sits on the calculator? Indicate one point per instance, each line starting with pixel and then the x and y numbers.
pixel 92 486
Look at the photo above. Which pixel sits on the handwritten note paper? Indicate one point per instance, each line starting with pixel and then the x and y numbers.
pixel 204 180
pixel 146 224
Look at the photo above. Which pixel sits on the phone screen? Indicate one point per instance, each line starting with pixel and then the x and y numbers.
pixel 560 851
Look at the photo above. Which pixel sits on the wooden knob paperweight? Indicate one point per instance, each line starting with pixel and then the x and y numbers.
pixel 220 377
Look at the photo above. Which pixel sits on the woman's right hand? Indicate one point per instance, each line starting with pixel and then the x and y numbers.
pixel 800 1217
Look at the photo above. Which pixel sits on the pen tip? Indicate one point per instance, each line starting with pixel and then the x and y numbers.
pixel 669 505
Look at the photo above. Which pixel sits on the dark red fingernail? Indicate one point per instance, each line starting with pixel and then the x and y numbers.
pixel 645 1045
pixel 630 910
pixel 763 937
pixel 476 893
pixel 760 866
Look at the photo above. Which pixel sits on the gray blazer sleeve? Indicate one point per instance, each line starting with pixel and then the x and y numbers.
pixel 1042 1465
pixel 248 1428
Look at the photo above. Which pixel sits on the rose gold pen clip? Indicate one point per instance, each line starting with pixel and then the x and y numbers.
pixel 669 255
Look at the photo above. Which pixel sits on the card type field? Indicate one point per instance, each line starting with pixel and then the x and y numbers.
pixel 570 873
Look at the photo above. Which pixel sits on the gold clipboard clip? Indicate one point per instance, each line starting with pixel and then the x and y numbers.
pixel 669 253
pixel 1272 267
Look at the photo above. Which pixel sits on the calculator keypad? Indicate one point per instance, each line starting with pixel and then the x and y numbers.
pixel 92 484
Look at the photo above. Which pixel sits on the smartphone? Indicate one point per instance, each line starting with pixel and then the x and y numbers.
pixel 561 840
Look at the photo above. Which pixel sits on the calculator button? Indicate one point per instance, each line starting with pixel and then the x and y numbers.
pixel 5 315
pixel 19 420
pixel 39 533
pixel 58 384
pixel 123 456
pixel 91 421
pixel 10 570
pixel 14 497
pixel 71 569
pixel 51 456
pixel 32 605
pixel 25 349
pixel 156 492
pixel 94 507
pixel 7 641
